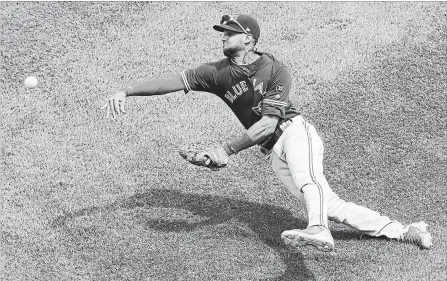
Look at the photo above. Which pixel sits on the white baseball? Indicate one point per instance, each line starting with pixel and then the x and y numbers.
pixel 31 82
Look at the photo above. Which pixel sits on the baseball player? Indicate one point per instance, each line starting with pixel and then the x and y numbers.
pixel 256 87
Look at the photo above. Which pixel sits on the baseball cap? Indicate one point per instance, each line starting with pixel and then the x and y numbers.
pixel 239 23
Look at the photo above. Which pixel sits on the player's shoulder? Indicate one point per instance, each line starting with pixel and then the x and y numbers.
pixel 269 58
pixel 277 67
pixel 217 65
pixel 210 69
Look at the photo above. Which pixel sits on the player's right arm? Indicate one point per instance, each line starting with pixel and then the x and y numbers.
pixel 152 87
pixel 201 78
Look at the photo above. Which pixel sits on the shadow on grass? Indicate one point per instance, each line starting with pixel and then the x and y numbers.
pixel 266 221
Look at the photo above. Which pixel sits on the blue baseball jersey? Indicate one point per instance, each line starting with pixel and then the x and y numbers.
pixel 251 91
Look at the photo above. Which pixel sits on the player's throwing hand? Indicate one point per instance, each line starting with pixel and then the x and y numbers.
pixel 115 104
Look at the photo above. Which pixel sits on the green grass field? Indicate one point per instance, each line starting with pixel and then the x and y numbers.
pixel 88 198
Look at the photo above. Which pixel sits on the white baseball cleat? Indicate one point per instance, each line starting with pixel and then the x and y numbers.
pixel 318 236
pixel 416 233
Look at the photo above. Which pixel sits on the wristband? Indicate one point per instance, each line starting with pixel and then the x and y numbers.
pixel 241 143
pixel 228 149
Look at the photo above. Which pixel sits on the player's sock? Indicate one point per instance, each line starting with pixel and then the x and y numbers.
pixel 316 205
pixel 392 230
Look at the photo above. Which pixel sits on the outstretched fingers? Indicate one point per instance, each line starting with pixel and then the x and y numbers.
pixel 106 105
pixel 122 103
pixel 112 107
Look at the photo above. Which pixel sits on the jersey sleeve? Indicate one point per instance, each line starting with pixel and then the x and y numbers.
pixel 276 98
pixel 201 78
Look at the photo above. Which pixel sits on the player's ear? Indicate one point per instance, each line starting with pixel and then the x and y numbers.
pixel 248 39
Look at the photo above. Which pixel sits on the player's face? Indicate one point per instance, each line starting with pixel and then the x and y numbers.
pixel 233 43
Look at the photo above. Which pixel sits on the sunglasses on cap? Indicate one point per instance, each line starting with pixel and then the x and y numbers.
pixel 226 19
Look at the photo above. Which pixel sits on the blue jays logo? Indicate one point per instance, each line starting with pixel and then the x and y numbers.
pixel 236 90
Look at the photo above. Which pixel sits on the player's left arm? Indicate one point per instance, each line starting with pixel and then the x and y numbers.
pixel 273 109
pixel 254 135
pixel 218 157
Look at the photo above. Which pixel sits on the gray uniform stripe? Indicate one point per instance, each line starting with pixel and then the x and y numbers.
pixel 185 81
pixel 312 174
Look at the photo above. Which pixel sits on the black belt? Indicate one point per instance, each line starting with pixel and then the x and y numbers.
pixel 268 144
